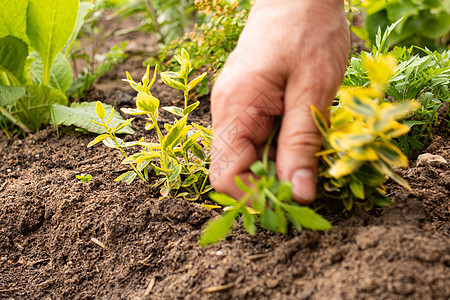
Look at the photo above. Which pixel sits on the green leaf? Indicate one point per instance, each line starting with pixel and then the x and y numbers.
pixel 258 168
pixel 320 121
pixel 172 82
pixel 33 109
pixel 249 221
pixel 391 155
pixel 147 103
pixel 217 229
pixel 175 173
pixel 174 133
pixel 49 26
pixel 186 68
pixel 241 185
pixel 100 110
pixel 222 199
pixel 80 114
pixel 174 110
pixel 133 111
pixel 13 18
pixel 348 202
pixel 190 180
pixel 268 220
pixel 285 191
pixel 280 219
pixel 191 140
pixel 9 94
pixel 357 187
pixel 190 108
pixel 195 81
pixel 185 54
pixel 307 217
pixel 13 54
pixel 84 9
pixel 127 177
pixel 198 151
pixel 61 75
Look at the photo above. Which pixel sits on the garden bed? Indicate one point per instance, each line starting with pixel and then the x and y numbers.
pixel 60 238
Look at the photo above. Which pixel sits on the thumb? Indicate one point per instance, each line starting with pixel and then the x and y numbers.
pixel 299 141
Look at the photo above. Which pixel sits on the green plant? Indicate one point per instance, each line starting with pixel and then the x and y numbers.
pixel 425 78
pixel 424 23
pixel 182 164
pixel 359 153
pixel 271 200
pixel 105 62
pixel 168 19
pixel 357 159
pixel 31 81
pixel 211 42
pixel 83 178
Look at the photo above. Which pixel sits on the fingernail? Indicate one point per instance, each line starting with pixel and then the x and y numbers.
pixel 304 185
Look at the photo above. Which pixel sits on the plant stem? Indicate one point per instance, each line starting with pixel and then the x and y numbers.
pixel 113 137
pixel 267 147
pixel 154 16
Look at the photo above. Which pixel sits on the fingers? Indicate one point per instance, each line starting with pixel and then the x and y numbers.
pixel 243 108
pixel 299 139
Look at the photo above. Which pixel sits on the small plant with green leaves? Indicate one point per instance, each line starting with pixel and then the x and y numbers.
pixel 357 159
pixel 83 178
pixel 181 162
pixel 272 205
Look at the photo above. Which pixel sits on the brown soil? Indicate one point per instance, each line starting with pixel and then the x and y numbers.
pixel 63 239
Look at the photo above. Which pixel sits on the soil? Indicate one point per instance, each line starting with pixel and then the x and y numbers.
pixel 63 239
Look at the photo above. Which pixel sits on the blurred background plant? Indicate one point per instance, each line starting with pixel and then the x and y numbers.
pixel 425 23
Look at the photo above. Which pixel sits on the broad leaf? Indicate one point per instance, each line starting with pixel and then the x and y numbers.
pixel 9 94
pixel 49 26
pixel 13 54
pixel 61 75
pixel 13 18
pixel 223 199
pixel 34 108
pixel 80 114
pixel 85 8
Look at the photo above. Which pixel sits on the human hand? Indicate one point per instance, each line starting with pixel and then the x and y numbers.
pixel 291 55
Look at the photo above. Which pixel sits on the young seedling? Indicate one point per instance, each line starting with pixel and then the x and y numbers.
pixel 177 158
pixel 84 177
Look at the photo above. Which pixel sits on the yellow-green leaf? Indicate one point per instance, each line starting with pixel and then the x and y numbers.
pixel 98 139
pixel 100 110
pixel 195 81
pixel 147 103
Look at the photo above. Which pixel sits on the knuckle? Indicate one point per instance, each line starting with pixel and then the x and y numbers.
pixel 302 141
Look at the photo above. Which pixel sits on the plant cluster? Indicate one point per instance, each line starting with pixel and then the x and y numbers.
pixel 357 159
pixel 211 42
pixel 424 23
pixel 34 70
pixel 167 19
pixel 359 153
pixel 425 78
pixel 178 158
